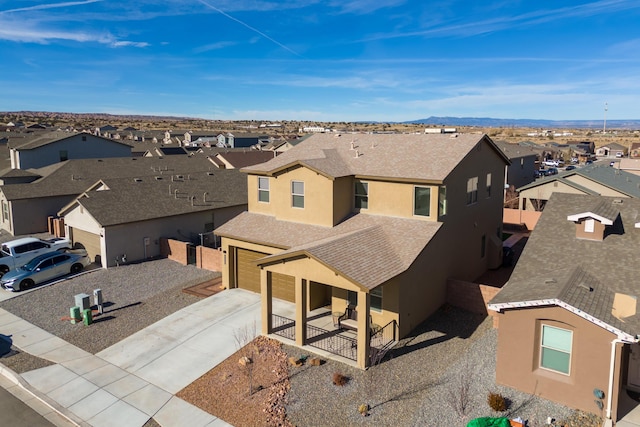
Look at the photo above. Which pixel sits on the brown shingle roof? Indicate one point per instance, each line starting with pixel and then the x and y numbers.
pixel 402 156
pixel 368 249
pixel 555 264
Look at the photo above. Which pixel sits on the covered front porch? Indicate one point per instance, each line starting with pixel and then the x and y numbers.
pixel 325 335
pixel 334 318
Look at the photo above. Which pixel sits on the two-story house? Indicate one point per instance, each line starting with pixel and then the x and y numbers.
pixel 371 225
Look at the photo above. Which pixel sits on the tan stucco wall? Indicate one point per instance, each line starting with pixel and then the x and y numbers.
pixel 519 352
pixel 318 197
pixel 592 185
pixel 544 192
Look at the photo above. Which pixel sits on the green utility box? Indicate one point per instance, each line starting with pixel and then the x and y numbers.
pixel 74 313
pixel 88 316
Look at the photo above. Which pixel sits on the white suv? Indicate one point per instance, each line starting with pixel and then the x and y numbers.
pixel 17 253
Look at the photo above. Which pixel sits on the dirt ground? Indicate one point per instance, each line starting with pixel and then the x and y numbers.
pixel 225 390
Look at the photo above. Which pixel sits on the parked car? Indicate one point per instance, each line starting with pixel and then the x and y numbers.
pixel 551 171
pixel 537 174
pixel 570 168
pixel 16 253
pixel 45 267
pixel 551 163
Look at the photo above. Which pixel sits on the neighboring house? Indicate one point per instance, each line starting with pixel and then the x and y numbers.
pixel 523 163
pixel 25 207
pixel 634 150
pixel 242 140
pixel 569 321
pixel 53 147
pixel 367 224
pixel 241 159
pixel 611 150
pixel 595 179
pixel 631 165
pixel 161 150
pixel 124 218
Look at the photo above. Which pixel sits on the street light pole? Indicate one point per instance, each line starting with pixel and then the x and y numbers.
pixel 604 129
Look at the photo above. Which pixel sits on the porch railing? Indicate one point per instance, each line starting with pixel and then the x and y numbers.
pixel 382 341
pixel 283 326
pixel 333 342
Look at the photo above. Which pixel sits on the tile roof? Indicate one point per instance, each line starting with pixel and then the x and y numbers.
pixel 515 151
pixel 408 156
pixel 619 180
pixel 586 274
pixel 368 249
pixel 72 177
pixel 143 198
pixel 244 158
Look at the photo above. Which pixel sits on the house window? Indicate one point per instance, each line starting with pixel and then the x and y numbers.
pixel 5 211
pixel 488 185
pixel 442 200
pixel 84 137
pixel 297 194
pixel 64 155
pixel 483 245
pixel 422 201
pixel 352 297
pixel 472 190
pixel 362 195
pixel 376 299
pixel 263 189
pixel 555 349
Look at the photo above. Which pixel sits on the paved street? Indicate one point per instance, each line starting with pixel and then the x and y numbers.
pixel 15 413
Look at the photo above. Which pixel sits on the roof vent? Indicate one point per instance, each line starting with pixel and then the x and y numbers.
pixel 210 173
pixel 583 286
pixel 549 281
pixel 617 201
pixel 159 178
pixel 357 154
pixel 137 179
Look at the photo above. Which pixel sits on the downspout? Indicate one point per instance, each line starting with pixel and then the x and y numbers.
pixel 611 372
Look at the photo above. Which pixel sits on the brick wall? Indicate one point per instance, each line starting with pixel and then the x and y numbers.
pixel 206 258
pixel 472 297
pixel 209 258
pixel 518 217
pixel 174 250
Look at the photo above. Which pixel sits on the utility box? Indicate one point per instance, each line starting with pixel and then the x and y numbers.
pixel 82 301
pixel 88 317
pixel 74 314
pixel 97 299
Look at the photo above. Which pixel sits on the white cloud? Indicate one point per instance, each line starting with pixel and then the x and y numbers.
pixel 214 46
pixel 126 43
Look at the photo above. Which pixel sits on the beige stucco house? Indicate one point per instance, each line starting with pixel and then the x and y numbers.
pixel 568 322
pixel 372 223
pixel 596 179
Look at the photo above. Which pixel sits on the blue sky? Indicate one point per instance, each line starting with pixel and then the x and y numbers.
pixel 331 60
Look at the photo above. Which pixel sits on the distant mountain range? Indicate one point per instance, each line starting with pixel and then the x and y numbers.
pixel 529 123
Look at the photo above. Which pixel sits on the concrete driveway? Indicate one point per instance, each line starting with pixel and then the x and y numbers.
pixel 137 378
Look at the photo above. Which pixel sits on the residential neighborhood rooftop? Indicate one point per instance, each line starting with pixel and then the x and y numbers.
pixel 585 274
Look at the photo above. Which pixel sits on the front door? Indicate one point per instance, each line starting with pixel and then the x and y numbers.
pixel 633 376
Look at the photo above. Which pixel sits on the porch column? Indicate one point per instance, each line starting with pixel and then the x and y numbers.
pixel 266 298
pixel 301 311
pixel 364 336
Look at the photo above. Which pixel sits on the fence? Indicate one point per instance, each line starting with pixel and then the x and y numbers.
pixel 521 217
pixel 206 258
pixel 471 296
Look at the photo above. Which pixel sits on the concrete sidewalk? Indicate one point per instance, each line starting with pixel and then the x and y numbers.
pixel 136 379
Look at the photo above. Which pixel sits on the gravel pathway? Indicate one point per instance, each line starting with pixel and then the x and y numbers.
pixel 135 296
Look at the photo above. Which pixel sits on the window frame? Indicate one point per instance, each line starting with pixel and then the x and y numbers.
pixel 472 190
pixel 297 196
pixel 376 307
pixel 361 201
pixel 428 207
pixel 442 201
pixel 488 184
pixel 543 347
pixel 264 191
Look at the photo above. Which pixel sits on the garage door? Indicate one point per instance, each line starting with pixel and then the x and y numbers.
pixel 89 241
pixel 248 276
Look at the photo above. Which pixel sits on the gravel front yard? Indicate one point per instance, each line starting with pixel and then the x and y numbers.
pixel 135 296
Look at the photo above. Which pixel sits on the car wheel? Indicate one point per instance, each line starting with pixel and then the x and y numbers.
pixel 26 283
pixel 76 268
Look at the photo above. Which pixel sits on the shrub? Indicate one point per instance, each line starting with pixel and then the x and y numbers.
pixel 497 402
pixel 339 379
